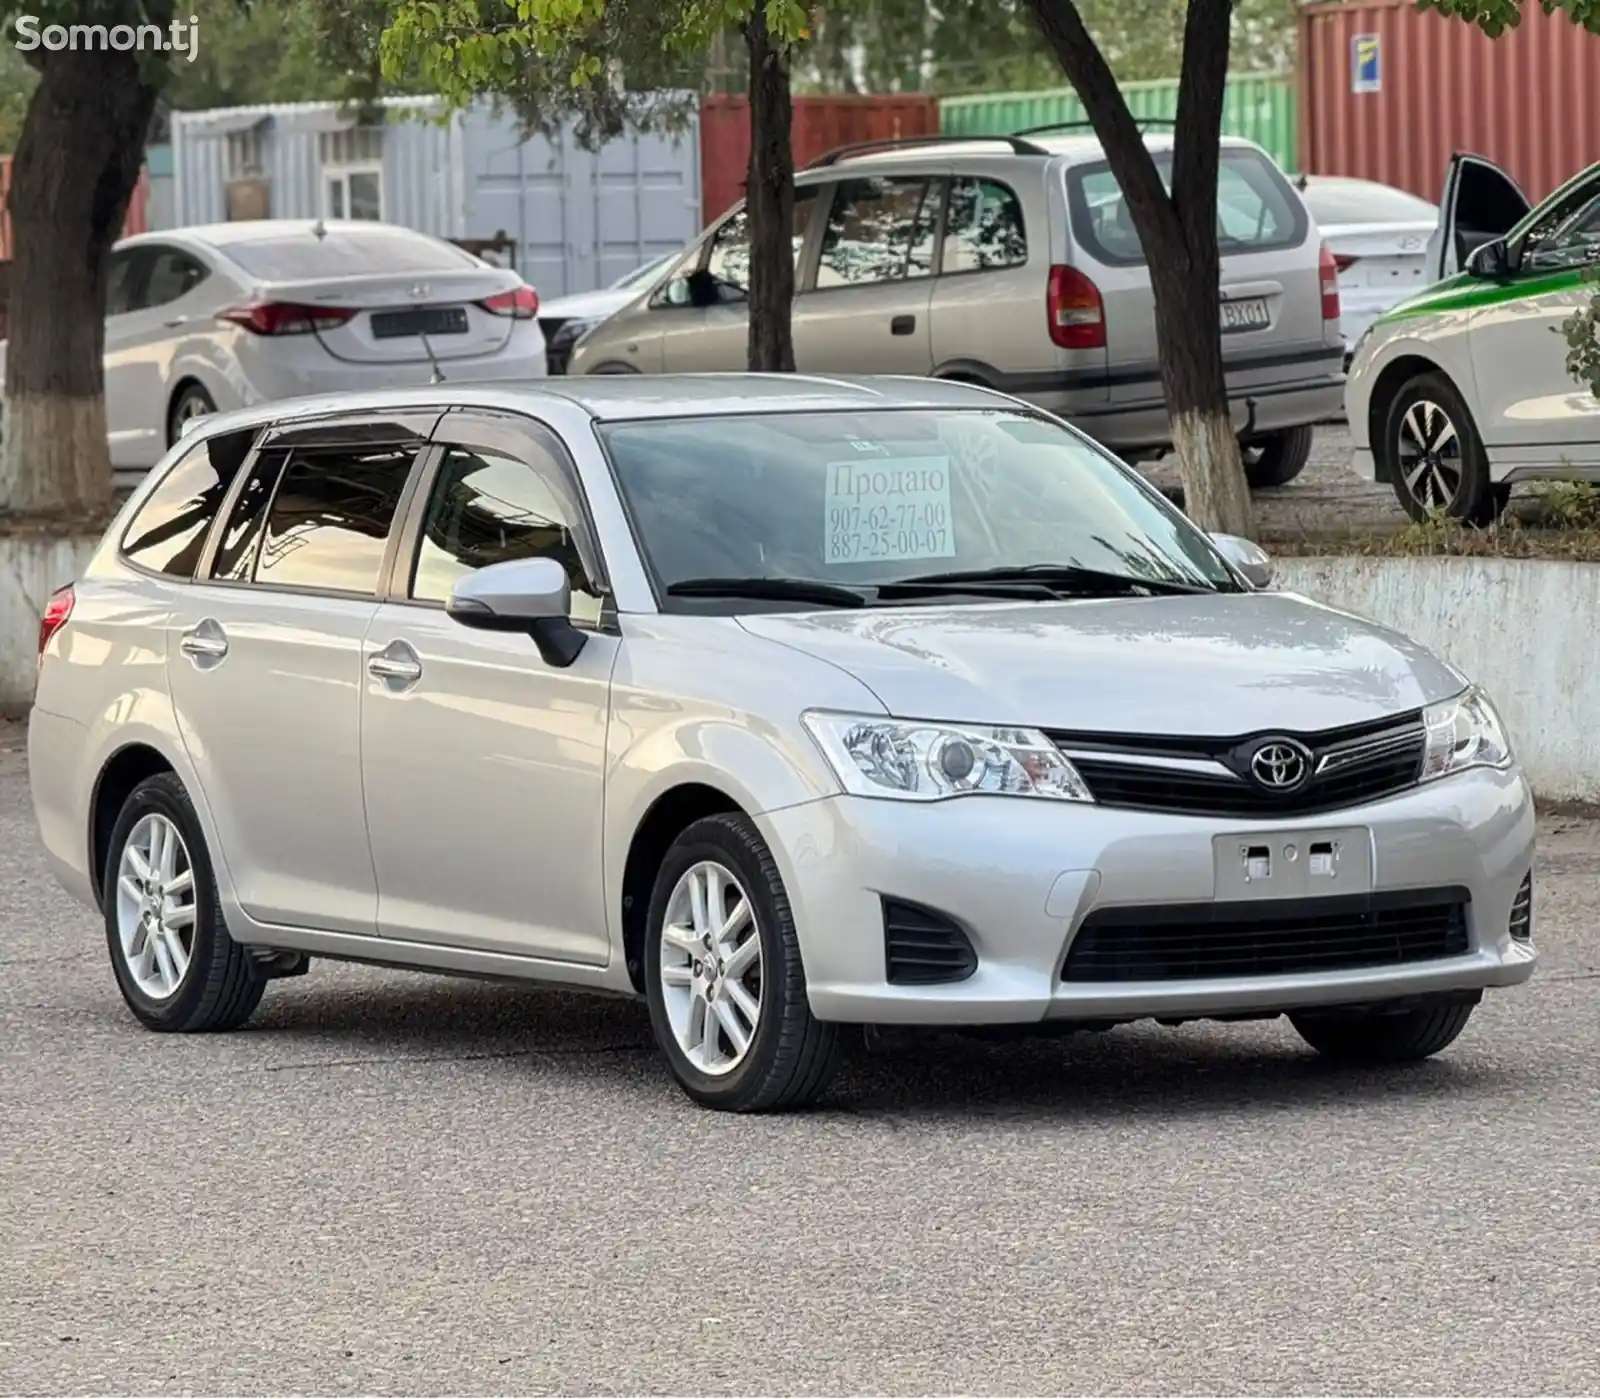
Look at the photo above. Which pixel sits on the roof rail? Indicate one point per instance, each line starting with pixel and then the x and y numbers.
pixel 1017 144
pixel 1089 125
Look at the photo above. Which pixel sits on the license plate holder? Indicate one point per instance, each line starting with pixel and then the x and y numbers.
pixel 426 320
pixel 1247 313
pixel 1293 864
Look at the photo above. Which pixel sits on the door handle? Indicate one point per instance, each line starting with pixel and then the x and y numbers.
pixel 902 325
pixel 204 642
pixel 175 322
pixel 397 664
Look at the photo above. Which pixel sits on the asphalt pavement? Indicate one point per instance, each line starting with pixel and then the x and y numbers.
pixel 395 1183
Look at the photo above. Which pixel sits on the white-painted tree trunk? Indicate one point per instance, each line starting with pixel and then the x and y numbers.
pixel 1215 495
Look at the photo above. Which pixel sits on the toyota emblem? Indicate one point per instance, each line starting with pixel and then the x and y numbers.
pixel 1280 764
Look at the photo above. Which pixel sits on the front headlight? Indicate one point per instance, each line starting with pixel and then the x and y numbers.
pixel 914 761
pixel 567 337
pixel 1464 733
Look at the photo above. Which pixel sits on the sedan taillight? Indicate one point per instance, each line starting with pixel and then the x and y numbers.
pixel 285 317
pixel 521 304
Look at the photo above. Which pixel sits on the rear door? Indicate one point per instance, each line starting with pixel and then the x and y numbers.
pixel 153 293
pixel 867 307
pixel 1480 203
pixel 1272 326
pixel 265 664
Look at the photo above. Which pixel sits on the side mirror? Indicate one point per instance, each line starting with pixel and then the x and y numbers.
pixel 524 595
pixel 1249 558
pixel 1491 260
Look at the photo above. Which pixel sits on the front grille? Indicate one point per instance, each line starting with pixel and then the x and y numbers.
pixel 924 948
pixel 1179 942
pixel 1211 776
pixel 1522 910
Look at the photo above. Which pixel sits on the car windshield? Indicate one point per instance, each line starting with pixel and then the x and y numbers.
pixel 344 252
pixel 1359 202
pixel 861 501
pixel 641 276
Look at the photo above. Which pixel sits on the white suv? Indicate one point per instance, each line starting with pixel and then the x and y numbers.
pixel 1012 262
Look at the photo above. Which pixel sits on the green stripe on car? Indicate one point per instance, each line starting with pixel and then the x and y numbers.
pixel 1464 292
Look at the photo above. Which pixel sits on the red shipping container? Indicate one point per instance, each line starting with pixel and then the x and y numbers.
pixel 1389 92
pixel 137 220
pixel 820 124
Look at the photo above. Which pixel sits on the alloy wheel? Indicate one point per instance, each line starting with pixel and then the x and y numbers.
pixel 156 906
pixel 711 968
pixel 1429 453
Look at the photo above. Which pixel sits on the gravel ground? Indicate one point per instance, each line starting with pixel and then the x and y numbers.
pixel 1326 501
pixel 403 1184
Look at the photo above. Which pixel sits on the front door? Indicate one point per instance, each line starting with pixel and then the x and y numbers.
pixel 867 308
pixel 484 765
pixel 1480 203
pixel 1531 411
pixel 265 667
pixel 153 305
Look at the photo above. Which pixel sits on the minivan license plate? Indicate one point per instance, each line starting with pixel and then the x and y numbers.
pixel 1249 314
pixel 1292 864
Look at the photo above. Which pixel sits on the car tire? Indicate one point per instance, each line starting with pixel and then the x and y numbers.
pixel 1378 1037
pixel 1278 459
pixel 1429 437
pixel 788 1056
pixel 178 969
pixel 192 401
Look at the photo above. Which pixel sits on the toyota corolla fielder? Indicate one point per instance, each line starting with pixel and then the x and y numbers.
pixel 785 704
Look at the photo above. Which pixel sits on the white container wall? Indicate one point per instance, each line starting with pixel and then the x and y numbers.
pixel 580 220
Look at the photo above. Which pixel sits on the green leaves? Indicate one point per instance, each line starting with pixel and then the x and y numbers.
pixel 1494 17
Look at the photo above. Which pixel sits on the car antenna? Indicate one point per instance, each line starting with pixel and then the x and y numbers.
pixel 438 374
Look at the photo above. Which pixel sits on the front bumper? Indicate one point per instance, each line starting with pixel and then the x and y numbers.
pixel 1020 877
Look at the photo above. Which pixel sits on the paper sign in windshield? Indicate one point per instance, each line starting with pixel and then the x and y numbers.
pixel 889 510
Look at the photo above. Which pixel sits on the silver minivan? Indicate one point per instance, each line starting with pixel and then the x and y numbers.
pixel 1012 262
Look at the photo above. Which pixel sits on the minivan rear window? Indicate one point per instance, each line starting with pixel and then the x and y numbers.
pixel 344 252
pixel 1257 211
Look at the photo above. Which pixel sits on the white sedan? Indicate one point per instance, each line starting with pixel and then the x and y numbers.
pixel 1378 236
pixel 235 314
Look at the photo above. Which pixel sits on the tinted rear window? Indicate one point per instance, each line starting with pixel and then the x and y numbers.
pixel 1363 203
pixel 1257 211
pixel 344 252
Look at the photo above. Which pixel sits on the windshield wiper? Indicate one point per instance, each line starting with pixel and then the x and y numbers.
pixel 774 589
pixel 1058 576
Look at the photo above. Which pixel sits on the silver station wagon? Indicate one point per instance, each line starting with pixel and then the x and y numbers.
pixel 785 704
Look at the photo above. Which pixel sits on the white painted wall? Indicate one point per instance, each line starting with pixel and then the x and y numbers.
pixel 1522 628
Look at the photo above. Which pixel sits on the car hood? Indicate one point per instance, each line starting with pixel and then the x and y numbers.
pixel 586 305
pixel 1218 665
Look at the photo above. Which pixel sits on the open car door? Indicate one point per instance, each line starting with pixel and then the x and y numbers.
pixel 1480 203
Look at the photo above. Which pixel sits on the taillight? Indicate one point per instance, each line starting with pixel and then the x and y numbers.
pixel 521 304
pixel 1077 314
pixel 285 317
pixel 56 612
pixel 1344 262
pixel 1330 286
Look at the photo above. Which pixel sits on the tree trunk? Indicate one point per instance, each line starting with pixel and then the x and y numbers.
pixel 75 169
pixel 1178 232
pixel 769 194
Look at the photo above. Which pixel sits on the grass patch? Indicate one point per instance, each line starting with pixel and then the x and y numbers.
pixel 1551 520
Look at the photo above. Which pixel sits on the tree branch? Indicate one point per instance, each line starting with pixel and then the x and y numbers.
pixel 1087 70
pixel 1196 141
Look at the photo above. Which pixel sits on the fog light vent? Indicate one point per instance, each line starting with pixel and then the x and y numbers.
pixel 1522 911
pixel 924 948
